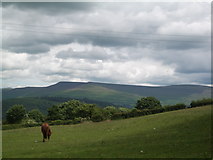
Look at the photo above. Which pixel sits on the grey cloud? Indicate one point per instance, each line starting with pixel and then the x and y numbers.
pixel 129 31
pixel 96 54
pixel 51 8
pixel 102 21
pixel 35 49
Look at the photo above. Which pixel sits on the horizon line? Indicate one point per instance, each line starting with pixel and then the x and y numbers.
pixel 136 84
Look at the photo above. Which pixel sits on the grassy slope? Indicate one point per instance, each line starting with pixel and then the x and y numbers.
pixel 178 134
pixel 102 94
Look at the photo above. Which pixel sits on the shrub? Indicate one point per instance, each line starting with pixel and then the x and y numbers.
pixel 148 103
pixel 201 102
pixel 175 107
pixel 157 110
pixel 98 115
pixel 30 123
pixel 77 120
pixel 56 122
pixel 117 116
pixel 110 111
pixel 55 113
pixel 16 114
pixel 36 115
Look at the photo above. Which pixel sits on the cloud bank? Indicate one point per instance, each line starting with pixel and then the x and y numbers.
pixel 129 43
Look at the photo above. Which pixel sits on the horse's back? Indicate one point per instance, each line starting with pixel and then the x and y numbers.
pixel 45 128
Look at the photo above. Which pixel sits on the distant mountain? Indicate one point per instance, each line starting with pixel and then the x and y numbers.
pixel 100 93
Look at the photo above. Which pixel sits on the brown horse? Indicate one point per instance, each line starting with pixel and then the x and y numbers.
pixel 45 129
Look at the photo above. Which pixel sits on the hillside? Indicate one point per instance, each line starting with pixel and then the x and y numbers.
pixel 102 94
pixel 177 134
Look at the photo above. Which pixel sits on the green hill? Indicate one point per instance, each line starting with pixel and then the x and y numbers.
pixel 178 134
pixel 102 94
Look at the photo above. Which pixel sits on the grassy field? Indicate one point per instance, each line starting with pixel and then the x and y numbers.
pixel 177 134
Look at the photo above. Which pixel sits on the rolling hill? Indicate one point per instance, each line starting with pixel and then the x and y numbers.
pixel 177 134
pixel 102 94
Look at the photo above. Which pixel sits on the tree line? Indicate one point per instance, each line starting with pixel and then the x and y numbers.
pixel 74 111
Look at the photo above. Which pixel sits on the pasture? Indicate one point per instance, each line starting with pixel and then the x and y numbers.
pixel 177 134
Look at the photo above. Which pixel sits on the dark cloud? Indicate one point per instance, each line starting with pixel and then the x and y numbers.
pixel 50 8
pixel 158 43
pixel 35 49
pixel 108 27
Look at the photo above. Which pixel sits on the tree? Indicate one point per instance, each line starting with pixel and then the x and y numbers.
pixel 54 113
pixel 70 110
pixel 98 114
pixel 148 103
pixel 15 114
pixel 36 115
pixel 74 109
pixel 110 110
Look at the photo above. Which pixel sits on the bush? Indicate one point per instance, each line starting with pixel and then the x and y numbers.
pixel 30 123
pixel 175 107
pixel 117 116
pixel 134 113
pixel 54 113
pixel 16 114
pixel 77 120
pixel 66 122
pixel 110 111
pixel 148 103
pixel 36 115
pixel 98 115
pixel 201 102
pixel 70 110
pixel 157 110
pixel 56 122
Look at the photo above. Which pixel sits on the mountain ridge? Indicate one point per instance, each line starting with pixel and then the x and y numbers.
pixel 158 91
pixel 101 94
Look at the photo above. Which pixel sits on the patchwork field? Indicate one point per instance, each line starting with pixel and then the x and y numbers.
pixel 177 134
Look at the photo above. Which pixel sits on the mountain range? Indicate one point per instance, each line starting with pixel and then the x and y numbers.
pixel 102 94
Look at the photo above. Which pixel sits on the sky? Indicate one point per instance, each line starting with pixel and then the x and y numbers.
pixel 124 43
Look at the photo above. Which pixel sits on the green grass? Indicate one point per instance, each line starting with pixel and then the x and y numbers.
pixel 177 134
pixel 102 94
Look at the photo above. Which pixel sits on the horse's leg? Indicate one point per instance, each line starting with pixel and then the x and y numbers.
pixel 43 139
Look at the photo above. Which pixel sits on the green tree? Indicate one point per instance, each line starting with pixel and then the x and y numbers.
pixel 74 109
pixel 70 110
pixel 110 110
pixel 148 103
pixel 98 114
pixel 124 110
pixel 55 113
pixel 15 114
pixel 36 115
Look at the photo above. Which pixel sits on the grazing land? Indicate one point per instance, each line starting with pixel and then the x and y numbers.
pixel 177 134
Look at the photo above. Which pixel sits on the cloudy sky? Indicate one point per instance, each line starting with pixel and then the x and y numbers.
pixel 125 43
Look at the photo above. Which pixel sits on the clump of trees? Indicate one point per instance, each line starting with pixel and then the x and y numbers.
pixel 74 111
pixel 36 115
pixel 17 114
pixel 71 110
pixel 148 103
pixel 202 102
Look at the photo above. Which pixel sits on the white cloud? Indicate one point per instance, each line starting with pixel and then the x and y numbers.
pixel 107 42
